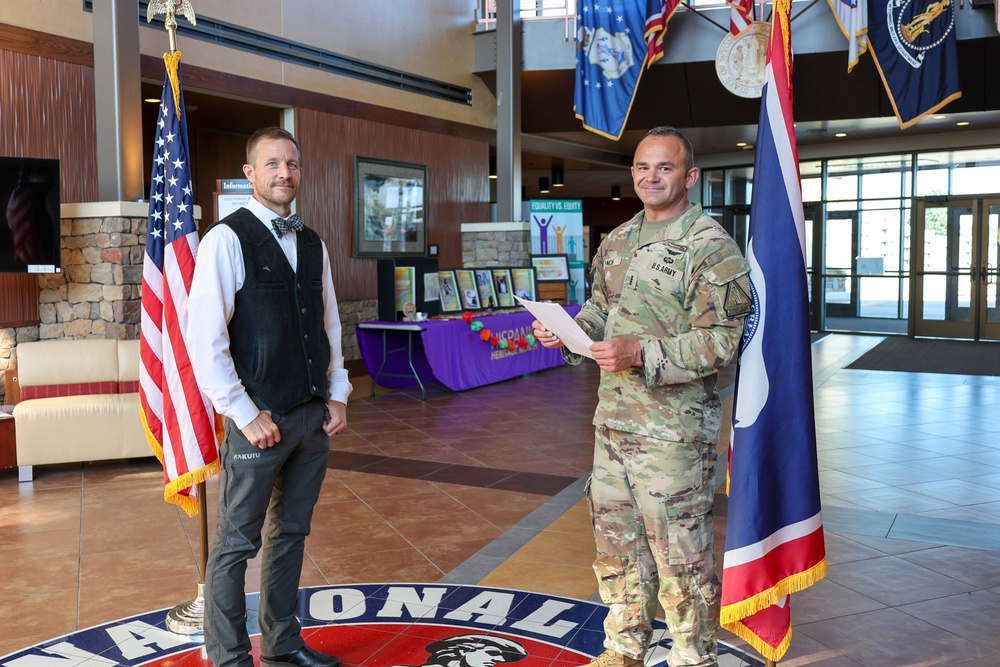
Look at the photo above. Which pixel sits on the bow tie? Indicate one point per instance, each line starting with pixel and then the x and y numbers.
pixel 282 225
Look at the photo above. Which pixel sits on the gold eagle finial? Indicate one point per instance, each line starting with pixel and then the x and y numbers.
pixel 170 9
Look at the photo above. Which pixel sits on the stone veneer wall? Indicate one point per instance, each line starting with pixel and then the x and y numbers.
pixel 482 247
pixel 98 293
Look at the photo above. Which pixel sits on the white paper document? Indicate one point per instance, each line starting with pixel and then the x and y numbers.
pixel 555 318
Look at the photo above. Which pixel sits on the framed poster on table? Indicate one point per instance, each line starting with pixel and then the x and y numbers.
pixel 448 291
pixel 487 293
pixel 524 283
pixel 551 268
pixel 390 204
pixel 467 289
pixel 504 289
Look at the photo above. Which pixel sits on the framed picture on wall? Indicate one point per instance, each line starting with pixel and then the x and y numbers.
pixel 448 290
pixel 504 287
pixel 390 208
pixel 524 283
pixel 551 268
pixel 467 289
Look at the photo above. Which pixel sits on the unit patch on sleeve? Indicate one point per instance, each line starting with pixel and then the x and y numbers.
pixel 738 301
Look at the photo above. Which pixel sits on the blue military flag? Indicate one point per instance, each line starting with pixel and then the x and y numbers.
pixel 611 55
pixel 916 52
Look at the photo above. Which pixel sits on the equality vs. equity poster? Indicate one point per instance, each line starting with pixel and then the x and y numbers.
pixel 557 229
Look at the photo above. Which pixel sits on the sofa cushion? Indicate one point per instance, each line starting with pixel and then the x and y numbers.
pixel 67 429
pixel 128 366
pixel 67 362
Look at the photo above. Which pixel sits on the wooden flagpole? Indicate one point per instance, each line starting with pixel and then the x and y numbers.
pixel 188 618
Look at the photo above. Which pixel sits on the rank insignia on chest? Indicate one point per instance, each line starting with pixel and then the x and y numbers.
pixel 738 301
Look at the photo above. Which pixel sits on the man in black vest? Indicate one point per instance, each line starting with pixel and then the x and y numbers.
pixel 265 344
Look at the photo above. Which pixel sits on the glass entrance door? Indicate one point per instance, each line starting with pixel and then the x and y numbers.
pixel 955 263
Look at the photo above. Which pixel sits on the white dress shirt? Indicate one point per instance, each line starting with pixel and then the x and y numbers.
pixel 218 274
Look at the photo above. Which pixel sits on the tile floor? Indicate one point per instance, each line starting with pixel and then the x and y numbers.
pixel 486 486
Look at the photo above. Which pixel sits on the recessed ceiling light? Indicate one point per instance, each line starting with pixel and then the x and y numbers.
pixel 840 135
pixel 962 122
pixel 741 144
pixel 152 100
pixel 938 117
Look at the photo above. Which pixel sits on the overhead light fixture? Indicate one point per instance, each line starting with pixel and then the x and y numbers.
pixel 543 185
pixel 940 116
pixel 962 123
pixel 493 166
pixel 741 144
pixel 557 177
pixel 840 135
pixel 152 100
pixel 616 192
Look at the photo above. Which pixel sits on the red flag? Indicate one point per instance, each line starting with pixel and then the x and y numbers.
pixel 181 425
pixel 740 16
pixel 774 528
pixel 658 12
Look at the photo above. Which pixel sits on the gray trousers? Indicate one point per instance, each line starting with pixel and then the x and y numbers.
pixel 283 483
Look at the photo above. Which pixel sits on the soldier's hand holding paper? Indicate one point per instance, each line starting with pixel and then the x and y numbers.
pixel 558 325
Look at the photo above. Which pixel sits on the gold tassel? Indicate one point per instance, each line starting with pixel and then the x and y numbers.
pixel 172 62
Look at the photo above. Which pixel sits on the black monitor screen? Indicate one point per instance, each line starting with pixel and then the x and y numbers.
pixel 29 207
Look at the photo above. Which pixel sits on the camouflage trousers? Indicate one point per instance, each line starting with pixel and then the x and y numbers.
pixel 651 505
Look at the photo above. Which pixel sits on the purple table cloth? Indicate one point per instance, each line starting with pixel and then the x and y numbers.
pixel 451 353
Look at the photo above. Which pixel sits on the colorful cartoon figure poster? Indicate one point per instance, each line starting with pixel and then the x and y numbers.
pixel 556 229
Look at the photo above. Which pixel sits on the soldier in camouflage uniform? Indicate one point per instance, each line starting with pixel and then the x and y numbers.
pixel 670 292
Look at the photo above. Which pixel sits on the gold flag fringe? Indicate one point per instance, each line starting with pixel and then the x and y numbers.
pixel 732 615
pixel 768 652
pixel 172 489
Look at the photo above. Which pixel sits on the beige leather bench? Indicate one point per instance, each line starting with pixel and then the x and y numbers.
pixel 79 402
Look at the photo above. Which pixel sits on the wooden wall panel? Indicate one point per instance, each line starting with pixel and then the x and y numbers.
pixel 457 183
pixel 54 118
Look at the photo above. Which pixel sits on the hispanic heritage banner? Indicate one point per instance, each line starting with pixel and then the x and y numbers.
pixel 611 55
pixel 916 52
pixel 774 528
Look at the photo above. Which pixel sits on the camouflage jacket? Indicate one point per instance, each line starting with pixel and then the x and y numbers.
pixel 683 295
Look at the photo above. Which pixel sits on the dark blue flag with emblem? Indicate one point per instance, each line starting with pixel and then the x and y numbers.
pixel 610 57
pixel 916 52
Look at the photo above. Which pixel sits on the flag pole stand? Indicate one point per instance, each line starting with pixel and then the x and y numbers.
pixel 188 618
pixel 770 663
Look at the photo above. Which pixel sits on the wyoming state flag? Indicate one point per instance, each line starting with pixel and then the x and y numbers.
pixel 610 58
pixel 915 49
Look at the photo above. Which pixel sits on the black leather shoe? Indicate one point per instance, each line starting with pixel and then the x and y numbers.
pixel 304 657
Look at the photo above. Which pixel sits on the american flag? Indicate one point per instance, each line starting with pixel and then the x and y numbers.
pixel 181 425
pixel 774 528
pixel 658 13
pixel 740 16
